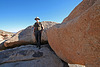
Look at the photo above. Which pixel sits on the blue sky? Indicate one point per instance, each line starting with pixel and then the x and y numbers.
pixel 19 14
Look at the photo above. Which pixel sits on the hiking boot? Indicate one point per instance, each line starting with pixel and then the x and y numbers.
pixel 39 47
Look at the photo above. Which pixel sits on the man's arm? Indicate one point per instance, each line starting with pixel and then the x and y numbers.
pixel 34 31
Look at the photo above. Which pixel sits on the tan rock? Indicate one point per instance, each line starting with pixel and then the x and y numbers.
pixel 1 38
pixel 83 6
pixel 26 36
pixel 77 40
pixel 5 35
pixel 75 65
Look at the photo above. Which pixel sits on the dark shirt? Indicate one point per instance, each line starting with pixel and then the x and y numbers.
pixel 38 27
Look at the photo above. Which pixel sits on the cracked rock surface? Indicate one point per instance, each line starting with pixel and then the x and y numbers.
pixel 29 56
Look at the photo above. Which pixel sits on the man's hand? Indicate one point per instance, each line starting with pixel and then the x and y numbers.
pixel 33 33
pixel 41 32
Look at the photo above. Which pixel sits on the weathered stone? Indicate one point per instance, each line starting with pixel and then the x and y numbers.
pixel 83 6
pixel 77 40
pixel 5 35
pixel 26 36
pixel 75 65
pixel 29 56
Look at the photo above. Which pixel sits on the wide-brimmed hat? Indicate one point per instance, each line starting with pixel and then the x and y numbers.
pixel 37 18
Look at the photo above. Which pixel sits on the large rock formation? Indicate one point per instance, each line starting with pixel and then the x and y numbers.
pixel 29 56
pixel 77 39
pixel 83 6
pixel 26 36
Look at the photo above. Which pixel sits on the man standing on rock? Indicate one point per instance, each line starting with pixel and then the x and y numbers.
pixel 38 28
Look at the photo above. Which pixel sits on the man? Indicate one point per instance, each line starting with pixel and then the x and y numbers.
pixel 38 28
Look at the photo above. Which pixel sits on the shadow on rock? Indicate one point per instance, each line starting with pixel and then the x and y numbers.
pixel 38 54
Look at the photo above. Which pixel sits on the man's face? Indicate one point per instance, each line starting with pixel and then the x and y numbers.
pixel 37 20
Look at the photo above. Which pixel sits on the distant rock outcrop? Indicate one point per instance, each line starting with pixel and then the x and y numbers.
pixel 5 32
pixel 77 39
pixel 26 36
pixel 1 38
pixel 4 35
